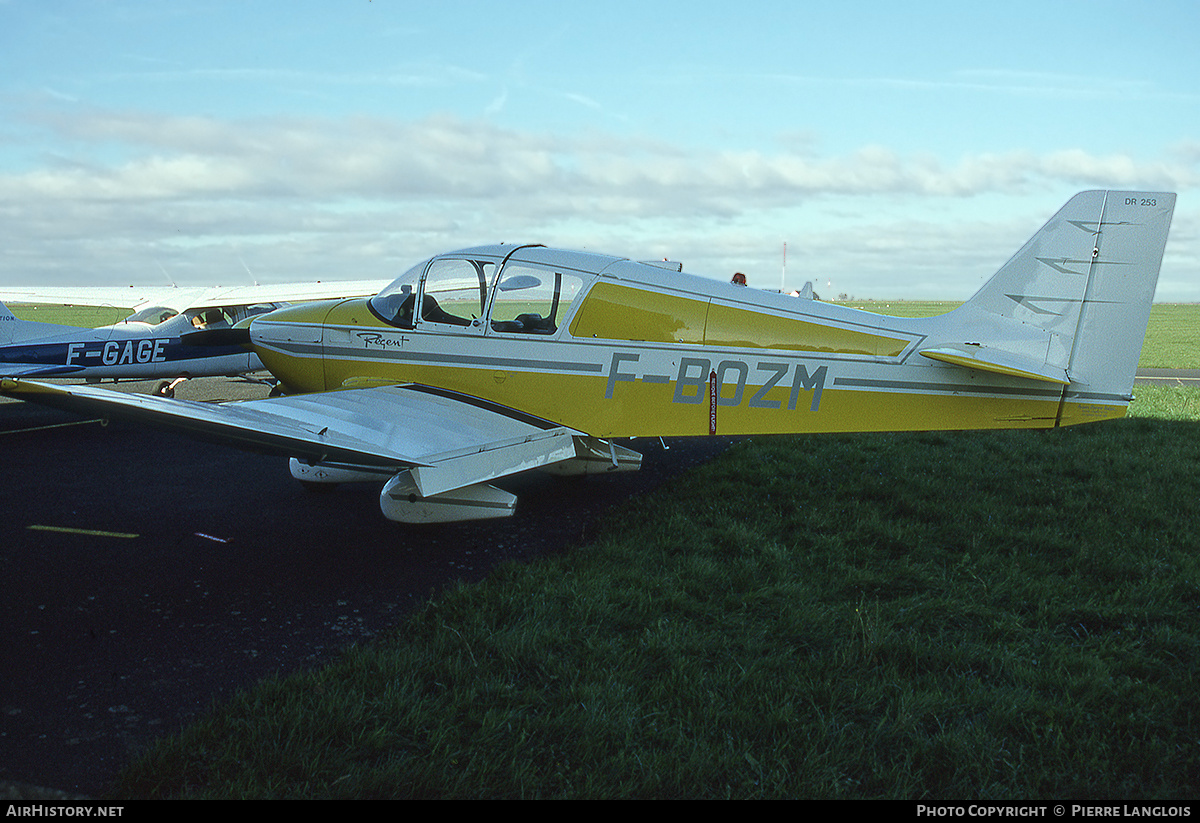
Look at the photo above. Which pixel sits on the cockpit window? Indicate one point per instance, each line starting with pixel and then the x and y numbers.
pixel 211 317
pixel 214 318
pixel 240 313
pixel 455 291
pixel 152 315
pixel 532 300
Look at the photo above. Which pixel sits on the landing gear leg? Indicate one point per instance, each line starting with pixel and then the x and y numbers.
pixel 166 389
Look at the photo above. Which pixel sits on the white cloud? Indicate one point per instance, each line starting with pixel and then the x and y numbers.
pixel 364 196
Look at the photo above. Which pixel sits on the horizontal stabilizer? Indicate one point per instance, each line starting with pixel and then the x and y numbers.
pixel 975 356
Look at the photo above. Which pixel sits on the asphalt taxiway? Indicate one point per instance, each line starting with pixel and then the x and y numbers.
pixel 148 575
pixel 1169 377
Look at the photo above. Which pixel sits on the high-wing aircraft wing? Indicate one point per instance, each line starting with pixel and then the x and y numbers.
pixel 122 297
pixel 186 297
pixel 150 342
pixel 486 361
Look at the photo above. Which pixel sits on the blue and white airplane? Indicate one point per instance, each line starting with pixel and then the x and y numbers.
pixel 151 342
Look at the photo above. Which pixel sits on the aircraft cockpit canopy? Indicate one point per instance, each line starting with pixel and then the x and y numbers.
pixel 461 291
pixel 211 317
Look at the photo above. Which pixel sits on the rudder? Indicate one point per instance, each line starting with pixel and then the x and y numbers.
pixel 1130 238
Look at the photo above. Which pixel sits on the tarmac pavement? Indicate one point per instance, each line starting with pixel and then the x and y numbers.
pixel 148 575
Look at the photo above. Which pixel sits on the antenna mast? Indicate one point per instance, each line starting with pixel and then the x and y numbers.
pixel 783 273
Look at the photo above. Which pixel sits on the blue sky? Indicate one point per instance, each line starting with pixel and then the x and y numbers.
pixel 898 150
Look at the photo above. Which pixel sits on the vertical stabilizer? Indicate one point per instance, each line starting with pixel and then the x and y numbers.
pixel 1071 306
pixel 8 325
pixel 1130 236
pixel 14 330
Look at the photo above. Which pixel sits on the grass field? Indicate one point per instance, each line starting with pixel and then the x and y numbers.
pixel 1172 337
pixel 995 615
pixel 85 316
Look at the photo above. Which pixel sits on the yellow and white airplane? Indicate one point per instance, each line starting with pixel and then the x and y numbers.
pixel 485 362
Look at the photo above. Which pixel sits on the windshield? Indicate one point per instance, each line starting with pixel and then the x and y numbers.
pixel 454 293
pixel 394 304
pixel 152 315
pixel 213 317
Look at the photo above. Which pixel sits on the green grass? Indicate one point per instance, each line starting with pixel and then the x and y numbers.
pixel 1000 615
pixel 1173 337
pixel 1161 402
pixel 85 316
pixel 904 308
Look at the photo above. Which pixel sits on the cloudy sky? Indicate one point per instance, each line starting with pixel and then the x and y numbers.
pixel 899 150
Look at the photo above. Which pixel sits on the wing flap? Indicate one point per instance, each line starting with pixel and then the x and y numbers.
pixel 494 460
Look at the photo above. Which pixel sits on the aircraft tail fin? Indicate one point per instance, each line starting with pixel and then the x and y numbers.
pixel 14 330
pixel 9 325
pixel 1071 307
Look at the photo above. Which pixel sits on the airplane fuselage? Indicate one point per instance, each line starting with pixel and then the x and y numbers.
pixel 127 350
pixel 678 355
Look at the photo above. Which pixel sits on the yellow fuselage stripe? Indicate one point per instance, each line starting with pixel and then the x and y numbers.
pixel 640 409
pixel 651 391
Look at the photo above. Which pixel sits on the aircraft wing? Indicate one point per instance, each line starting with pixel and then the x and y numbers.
pixel 288 292
pixel 446 441
pixel 125 297
pixel 190 297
